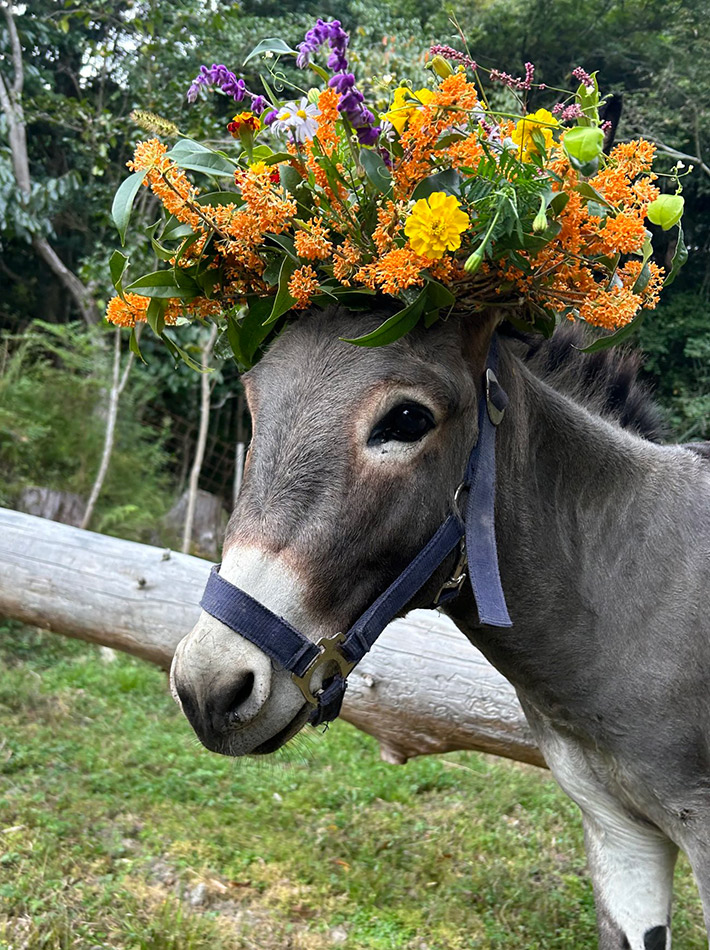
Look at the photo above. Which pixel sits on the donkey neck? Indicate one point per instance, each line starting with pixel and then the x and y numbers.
pixel 580 503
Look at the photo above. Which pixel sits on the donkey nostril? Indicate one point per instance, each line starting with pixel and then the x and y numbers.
pixel 239 697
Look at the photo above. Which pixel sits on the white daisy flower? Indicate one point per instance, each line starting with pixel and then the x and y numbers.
pixel 297 118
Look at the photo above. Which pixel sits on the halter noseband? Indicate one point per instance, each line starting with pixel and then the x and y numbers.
pixel 474 536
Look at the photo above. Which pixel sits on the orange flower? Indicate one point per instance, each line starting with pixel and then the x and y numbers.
pixel 346 259
pixel 302 285
pixel 313 244
pixel 611 309
pixel 624 233
pixel 168 182
pixel 327 134
pixel 398 269
pixel 132 308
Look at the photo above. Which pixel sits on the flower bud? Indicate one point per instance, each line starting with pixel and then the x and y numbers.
pixel 441 67
pixel 474 261
pixel 540 222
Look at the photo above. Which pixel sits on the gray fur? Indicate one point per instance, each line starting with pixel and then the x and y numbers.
pixel 604 550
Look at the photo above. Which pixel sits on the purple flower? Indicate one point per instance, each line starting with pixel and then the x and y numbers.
pixel 351 103
pixel 331 33
pixel 218 75
pixel 368 135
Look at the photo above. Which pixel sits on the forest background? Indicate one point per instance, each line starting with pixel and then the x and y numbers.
pixel 70 74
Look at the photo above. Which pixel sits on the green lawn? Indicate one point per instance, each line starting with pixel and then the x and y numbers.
pixel 118 830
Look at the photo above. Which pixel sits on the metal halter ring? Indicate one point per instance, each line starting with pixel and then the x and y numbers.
pixel 330 653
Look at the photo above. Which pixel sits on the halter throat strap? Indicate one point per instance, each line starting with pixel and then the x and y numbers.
pixel 340 653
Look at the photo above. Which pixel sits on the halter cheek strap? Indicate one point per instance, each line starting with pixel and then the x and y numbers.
pixel 341 652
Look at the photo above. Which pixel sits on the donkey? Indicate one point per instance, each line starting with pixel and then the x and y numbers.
pixel 603 542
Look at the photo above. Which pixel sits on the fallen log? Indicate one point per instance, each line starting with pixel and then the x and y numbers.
pixel 423 689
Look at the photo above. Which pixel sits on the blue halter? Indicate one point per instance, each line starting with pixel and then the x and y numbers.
pixel 339 653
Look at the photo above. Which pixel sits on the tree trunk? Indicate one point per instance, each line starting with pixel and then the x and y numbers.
pixel 423 689
pixel 118 384
pixel 11 105
pixel 193 484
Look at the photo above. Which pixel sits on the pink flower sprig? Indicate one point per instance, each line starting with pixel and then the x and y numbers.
pixel 513 82
pixel 448 52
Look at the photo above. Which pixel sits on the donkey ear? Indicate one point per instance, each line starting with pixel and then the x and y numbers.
pixel 477 330
pixel 610 112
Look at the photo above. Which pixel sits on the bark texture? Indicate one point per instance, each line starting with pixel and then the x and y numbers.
pixel 423 689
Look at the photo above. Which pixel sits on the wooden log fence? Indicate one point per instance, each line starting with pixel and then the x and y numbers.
pixel 423 689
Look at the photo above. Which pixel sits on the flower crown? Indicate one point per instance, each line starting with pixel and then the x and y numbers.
pixel 441 203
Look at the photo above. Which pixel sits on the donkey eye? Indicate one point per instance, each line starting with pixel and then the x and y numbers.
pixel 407 422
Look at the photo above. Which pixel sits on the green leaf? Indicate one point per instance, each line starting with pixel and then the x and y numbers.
pixel 448 181
pixel 271 45
pixel 283 301
pixel 666 210
pixel 123 202
pixel 247 335
pixel 558 203
pixel 177 352
pixel 395 327
pixel 438 296
pixel 587 191
pixel 588 99
pixel 289 178
pixel 449 139
pixel 195 157
pixel 376 170
pixel 219 198
pixel 619 336
pixel 679 258
pixel 641 282
pixel 117 265
pixel 155 315
pixel 174 230
pixel 161 283
pixel 583 143
pixel 286 242
pixel 133 345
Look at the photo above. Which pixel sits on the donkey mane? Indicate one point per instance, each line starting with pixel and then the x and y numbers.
pixel 606 382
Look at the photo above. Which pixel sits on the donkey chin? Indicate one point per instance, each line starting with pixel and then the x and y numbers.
pixel 234 698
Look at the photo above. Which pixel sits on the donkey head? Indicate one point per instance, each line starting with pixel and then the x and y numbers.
pixel 354 462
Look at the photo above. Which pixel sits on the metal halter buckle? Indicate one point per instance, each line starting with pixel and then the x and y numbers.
pixel 329 653
pixel 456 580
pixel 495 413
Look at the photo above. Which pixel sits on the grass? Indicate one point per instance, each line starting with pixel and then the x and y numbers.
pixel 118 830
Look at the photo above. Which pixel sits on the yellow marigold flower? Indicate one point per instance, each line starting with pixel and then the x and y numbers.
pixel 402 108
pixel 540 121
pixel 243 120
pixel 436 225
pixel 302 285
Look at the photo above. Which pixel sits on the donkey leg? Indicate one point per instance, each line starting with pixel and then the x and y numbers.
pixel 631 861
pixel 631 865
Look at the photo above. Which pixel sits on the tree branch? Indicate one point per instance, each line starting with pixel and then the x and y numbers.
pixel 16 47
pixel 695 160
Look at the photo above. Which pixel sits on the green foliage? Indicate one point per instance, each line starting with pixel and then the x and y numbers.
pixel 53 388
pixel 676 340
